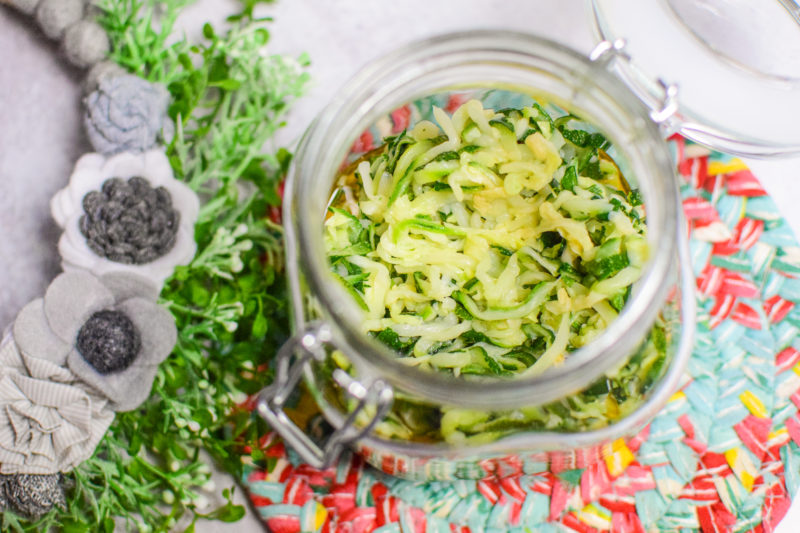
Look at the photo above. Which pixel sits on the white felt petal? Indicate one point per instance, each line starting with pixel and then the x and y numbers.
pixel 69 200
pixel 86 176
pixel 125 165
pixel 186 201
pixel 75 253
pixel 157 168
pixel 126 285
pixel 70 299
pixel 90 161
pixel 81 183
pixel 185 246
pixel 34 337
pixel 61 207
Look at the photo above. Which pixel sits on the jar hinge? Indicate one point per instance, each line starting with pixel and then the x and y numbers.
pixel 662 109
pixel 308 347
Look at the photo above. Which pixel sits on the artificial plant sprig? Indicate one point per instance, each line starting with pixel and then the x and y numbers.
pixel 228 97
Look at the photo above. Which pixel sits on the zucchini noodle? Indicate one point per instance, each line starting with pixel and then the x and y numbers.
pixel 490 245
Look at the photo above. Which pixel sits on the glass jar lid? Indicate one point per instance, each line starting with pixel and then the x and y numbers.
pixel 725 73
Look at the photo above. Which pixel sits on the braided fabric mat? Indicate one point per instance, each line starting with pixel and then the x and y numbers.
pixel 723 455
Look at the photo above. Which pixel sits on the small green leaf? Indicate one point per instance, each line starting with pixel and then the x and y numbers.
pixel 228 84
pixel 259 327
pixel 231 513
pixel 262 36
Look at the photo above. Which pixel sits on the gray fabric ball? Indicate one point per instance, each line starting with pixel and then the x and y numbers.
pixel 127 113
pixel 33 495
pixel 109 341
pixel 85 43
pixel 55 16
pixel 24 6
pixel 101 71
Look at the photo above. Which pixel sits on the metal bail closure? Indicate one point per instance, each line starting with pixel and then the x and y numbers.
pixel 305 348
pixel 669 105
pixel 607 50
pixel 607 53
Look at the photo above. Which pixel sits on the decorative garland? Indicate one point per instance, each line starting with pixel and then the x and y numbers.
pixel 98 421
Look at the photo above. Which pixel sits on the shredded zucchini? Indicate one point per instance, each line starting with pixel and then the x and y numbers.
pixel 491 244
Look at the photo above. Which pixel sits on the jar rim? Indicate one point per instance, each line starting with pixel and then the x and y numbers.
pixel 393 80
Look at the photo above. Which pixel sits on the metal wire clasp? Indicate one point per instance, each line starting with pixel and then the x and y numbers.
pixel 607 50
pixel 669 104
pixel 661 108
pixel 304 348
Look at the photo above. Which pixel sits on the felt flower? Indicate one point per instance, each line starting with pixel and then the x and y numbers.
pixel 50 421
pixel 126 213
pixel 127 113
pixel 108 332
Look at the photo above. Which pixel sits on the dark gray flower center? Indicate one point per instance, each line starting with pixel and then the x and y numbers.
pixel 129 221
pixel 109 341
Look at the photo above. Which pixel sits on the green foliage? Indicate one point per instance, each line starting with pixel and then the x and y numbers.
pixel 228 99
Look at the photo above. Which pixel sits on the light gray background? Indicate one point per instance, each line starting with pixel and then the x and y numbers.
pixel 41 136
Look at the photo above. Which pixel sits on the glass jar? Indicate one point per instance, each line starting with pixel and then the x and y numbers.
pixel 326 320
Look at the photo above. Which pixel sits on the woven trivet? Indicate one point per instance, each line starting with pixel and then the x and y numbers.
pixel 723 455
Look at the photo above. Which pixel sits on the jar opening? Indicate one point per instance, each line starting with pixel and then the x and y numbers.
pixel 479 61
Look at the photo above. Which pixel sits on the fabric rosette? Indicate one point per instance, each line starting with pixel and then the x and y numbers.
pixel 126 213
pixel 51 421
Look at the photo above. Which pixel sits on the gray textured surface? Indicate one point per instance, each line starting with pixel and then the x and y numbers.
pixel 40 139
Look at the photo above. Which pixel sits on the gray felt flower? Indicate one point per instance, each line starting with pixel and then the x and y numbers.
pixel 109 331
pixel 127 113
pixel 126 212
